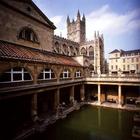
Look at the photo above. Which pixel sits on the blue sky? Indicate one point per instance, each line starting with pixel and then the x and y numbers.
pixel 118 20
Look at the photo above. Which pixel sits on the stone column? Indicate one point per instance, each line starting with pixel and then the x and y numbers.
pixel 119 96
pixel 72 95
pixel 99 94
pixel 82 92
pixel 34 112
pixel 56 98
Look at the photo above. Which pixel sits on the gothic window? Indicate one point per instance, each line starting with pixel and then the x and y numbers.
pixel 28 34
pixel 65 74
pixel 57 47
pixel 91 51
pixel 86 63
pixel 71 50
pixel 64 48
pixel 46 74
pixel 83 51
pixel 15 74
pixel 78 74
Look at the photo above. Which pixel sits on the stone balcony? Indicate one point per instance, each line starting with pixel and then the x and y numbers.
pixel 122 78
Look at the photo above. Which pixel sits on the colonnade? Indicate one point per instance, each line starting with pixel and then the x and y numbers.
pixel 71 92
pixel 119 95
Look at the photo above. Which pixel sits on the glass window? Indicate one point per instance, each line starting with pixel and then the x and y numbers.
pixel 65 74
pixel 128 67
pixel 46 74
pixel 28 34
pixel 137 66
pixel 83 51
pixel 123 67
pixel 78 74
pixel 15 74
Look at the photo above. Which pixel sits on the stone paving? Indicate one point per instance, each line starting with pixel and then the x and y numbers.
pixel 114 105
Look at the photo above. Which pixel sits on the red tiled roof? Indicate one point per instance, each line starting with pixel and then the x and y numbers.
pixel 14 51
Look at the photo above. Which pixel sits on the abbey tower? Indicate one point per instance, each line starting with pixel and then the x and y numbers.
pixel 76 30
pixel 87 53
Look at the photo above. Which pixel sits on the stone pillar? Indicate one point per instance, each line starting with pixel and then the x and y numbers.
pixel 82 92
pixel 34 112
pixel 72 95
pixel 99 94
pixel 56 98
pixel 119 96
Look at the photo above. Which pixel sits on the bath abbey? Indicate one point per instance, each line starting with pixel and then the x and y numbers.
pixel 40 72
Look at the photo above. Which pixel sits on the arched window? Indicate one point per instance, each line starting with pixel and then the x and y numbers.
pixel 64 49
pixel 86 63
pixel 91 51
pixel 78 74
pixel 15 74
pixel 28 34
pixel 83 51
pixel 71 50
pixel 65 74
pixel 57 47
pixel 46 74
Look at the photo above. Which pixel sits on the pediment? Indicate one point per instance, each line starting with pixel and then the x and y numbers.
pixel 30 9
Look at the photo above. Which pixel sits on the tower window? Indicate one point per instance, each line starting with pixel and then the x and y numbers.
pixel 83 51
pixel 28 34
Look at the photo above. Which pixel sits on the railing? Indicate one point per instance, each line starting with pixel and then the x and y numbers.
pixel 115 77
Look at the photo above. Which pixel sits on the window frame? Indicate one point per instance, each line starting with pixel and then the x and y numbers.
pixel 13 72
pixel 48 71
pixel 28 34
pixel 78 74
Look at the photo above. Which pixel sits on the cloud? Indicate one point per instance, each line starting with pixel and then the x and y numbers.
pixel 60 24
pixel 111 23
pixel 104 20
pixel 57 20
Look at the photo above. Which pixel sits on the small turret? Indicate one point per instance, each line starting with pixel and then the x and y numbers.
pixel 68 20
pixel 73 21
pixel 83 18
pixel 102 37
pixel 95 35
pixel 78 15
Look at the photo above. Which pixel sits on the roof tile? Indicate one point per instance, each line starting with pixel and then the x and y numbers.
pixel 14 51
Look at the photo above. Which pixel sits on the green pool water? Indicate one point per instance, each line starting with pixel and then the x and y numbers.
pixel 92 123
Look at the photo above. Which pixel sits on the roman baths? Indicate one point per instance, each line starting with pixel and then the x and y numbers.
pixel 60 88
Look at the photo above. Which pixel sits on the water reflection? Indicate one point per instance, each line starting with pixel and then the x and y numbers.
pixel 92 123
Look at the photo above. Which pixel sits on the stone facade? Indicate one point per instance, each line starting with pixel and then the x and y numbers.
pixel 87 53
pixel 17 14
pixel 76 30
pixel 126 62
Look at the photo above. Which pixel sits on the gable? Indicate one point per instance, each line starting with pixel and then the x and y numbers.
pixel 29 9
